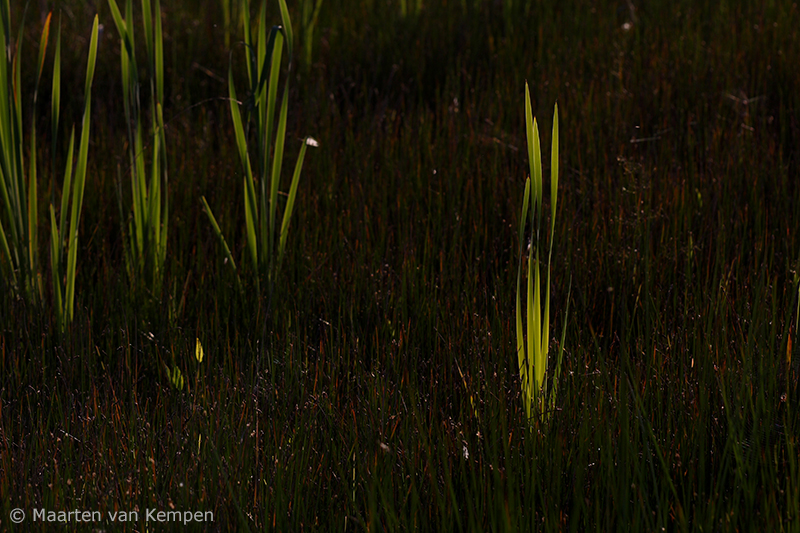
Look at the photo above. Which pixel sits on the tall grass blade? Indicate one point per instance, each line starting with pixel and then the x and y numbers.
pixel 221 237
pixel 287 213
pixel 80 177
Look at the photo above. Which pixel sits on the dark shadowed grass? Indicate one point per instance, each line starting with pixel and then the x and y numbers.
pixel 352 405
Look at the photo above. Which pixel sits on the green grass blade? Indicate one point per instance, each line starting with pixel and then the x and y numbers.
pixel 91 61
pixel 154 197
pixel 277 162
pixel 553 177
pixel 238 129
pixel 537 326
pixel 252 72
pixel 287 27
pixel 9 268
pixel 118 21
pixel 537 176
pixel 164 219
pixel 221 237
pixel 55 106
pixel 80 175
pixel 147 22
pixel 33 215
pixel 255 84
pixel 250 206
pixel 139 188
pixel 67 185
pixel 55 262
pixel 529 124
pixel 251 217
pixel 159 54
pixel 272 96
pixel 8 183
pixel 287 213
pixel 127 58
pixel 131 44
pixel 520 332
pixel 14 168
pixel 531 313
pixel 545 348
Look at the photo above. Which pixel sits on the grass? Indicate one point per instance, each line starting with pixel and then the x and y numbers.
pixel 146 245
pixel 20 246
pixel 263 68
pixel 538 389
pixel 352 404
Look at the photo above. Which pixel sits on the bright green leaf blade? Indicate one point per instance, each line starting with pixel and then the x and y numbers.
pixel 287 27
pixel 277 162
pixel 537 174
pixel 147 22
pixel 33 216
pixel 251 216
pixel 67 185
pixel 159 54
pixel 554 176
pixel 537 326
pixel 55 102
pixel 238 129
pixel 43 48
pixel 287 214
pixel 80 175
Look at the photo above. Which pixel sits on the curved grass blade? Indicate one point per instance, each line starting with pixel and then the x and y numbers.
pixel 221 238
pixel 287 213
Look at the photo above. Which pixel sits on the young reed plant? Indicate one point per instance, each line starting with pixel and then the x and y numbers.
pixel 20 243
pixel 146 245
pixel 263 68
pixel 538 394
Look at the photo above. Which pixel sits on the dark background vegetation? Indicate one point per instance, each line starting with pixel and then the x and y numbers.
pixel 349 404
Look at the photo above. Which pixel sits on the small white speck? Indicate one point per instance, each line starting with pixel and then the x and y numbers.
pixel 311 141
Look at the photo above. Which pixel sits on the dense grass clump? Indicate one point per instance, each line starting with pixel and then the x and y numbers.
pixel 376 385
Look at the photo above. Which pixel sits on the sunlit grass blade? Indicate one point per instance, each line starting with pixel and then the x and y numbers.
pixel 250 205
pixel 272 92
pixel 553 177
pixel 521 351
pixel 55 114
pixel 532 325
pixel 287 213
pixel 163 217
pixel 277 164
pixel 287 27
pixel 80 178
pixel 33 212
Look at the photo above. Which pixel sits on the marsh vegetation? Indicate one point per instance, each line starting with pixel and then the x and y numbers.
pixel 372 381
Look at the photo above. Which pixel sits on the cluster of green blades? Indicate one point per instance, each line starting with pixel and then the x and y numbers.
pixel 538 395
